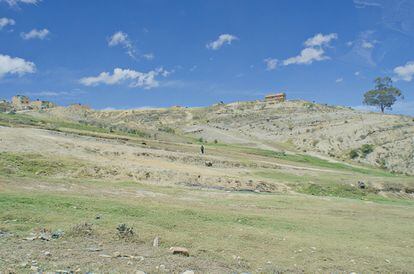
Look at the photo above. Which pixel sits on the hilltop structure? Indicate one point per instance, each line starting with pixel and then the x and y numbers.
pixel 275 98
pixel 21 102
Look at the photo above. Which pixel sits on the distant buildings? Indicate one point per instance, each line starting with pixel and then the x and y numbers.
pixel 22 102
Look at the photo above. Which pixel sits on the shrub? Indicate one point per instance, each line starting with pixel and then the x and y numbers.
pixel 124 231
pixel 353 154
pixel 366 149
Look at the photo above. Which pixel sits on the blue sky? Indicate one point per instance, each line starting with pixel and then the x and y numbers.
pixel 131 54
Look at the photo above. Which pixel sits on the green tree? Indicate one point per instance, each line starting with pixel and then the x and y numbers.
pixel 383 95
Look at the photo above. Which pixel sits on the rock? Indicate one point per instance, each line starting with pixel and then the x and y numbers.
pixel 98 217
pixel 94 249
pixel 24 264
pixel 188 272
pixel 208 163
pixel 179 251
pixel 47 254
pixel 44 236
pixel 30 238
pixel 105 256
pixel 361 185
pixel 156 242
pixel 116 254
pixel 140 258
pixel 57 234
pixel 5 234
pixel 34 268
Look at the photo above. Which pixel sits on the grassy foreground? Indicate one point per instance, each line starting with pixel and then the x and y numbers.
pixel 223 231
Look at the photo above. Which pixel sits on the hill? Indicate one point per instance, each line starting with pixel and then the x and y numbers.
pixel 112 191
pixel 340 133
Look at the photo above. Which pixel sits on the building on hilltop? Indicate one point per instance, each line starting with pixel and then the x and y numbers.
pixel 5 106
pixel 275 98
pixel 21 102
pixel 39 104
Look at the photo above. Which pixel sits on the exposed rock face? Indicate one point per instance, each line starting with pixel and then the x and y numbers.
pixel 292 125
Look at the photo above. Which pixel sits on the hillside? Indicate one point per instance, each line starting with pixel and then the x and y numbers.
pixel 70 177
pixel 340 133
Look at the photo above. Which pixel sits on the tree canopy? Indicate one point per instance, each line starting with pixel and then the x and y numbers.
pixel 384 95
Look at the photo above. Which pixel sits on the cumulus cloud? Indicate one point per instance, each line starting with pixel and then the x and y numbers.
pixel 221 40
pixel 6 22
pixel 405 72
pixel 320 39
pixel 307 56
pixel 271 63
pixel 121 39
pixel 35 34
pixel 15 65
pixel 146 80
pixel 314 50
pixel 16 2
pixel 339 80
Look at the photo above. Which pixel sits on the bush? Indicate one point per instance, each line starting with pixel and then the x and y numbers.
pixel 367 149
pixel 353 154
pixel 124 231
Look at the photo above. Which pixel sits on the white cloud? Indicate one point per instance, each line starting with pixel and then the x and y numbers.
pixel 320 39
pixel 137 79
pixel 314 50
pixel 148 56
pixel 357 73
pixel 362 49
pixel 271 63
pixel 121 39
pixel 339 80
pixel 15 65
pixel 16 2
pixel 367 45
pixel 6 21
pixel 360 4
pixel 47 93
pixel 222 39
pixel 307 56
pixel 405 72
pixel 35 34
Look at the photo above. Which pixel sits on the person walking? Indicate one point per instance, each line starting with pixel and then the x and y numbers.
pixel 202 149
